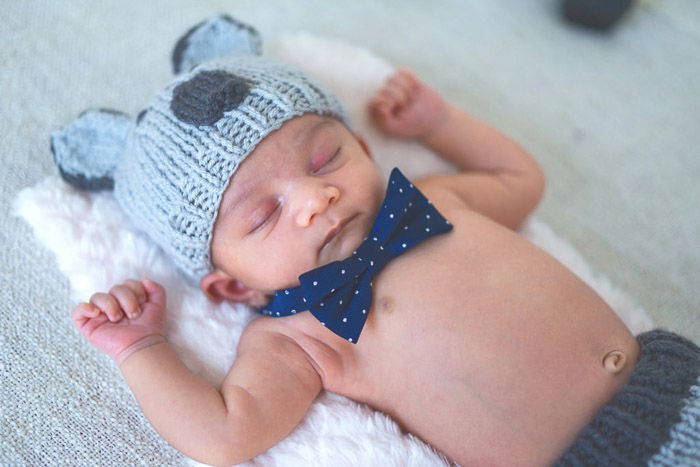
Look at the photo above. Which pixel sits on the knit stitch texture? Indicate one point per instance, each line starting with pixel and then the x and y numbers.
pixel 194 136
pixel 169 169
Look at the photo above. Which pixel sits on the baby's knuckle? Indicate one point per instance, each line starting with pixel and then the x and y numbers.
pixel 132 284
pixel 116 289
pixel 97 297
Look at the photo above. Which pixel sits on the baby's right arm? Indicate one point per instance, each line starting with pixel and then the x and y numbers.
pixel 267 392
pixel 499 178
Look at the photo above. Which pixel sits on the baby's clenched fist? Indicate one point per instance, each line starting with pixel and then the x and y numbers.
pixel 131 316
pixel 406 107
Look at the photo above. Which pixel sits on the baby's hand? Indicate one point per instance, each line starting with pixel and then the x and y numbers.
pixel 407 107
pixel 128 318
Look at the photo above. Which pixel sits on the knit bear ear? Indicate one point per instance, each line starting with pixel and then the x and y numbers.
pixel 89 149
pixel 215 37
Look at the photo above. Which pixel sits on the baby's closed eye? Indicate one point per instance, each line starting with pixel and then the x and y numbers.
pixel 323 159
pixel 263 214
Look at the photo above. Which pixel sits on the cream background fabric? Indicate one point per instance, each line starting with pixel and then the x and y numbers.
pixel 611 118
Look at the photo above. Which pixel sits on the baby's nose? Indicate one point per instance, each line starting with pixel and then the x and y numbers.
pixel 313 199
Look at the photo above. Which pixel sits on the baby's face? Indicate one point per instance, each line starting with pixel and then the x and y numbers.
pixel 306 196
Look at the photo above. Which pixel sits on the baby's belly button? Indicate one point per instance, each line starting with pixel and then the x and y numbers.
pixel 614 361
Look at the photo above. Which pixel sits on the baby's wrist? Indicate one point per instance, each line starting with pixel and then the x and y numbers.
pixel 439 122
pixel 144 343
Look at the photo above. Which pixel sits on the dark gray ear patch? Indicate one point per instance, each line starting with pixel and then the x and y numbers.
pixel 88 150
pixel 181 46
pixel 140 116
pixel 203 99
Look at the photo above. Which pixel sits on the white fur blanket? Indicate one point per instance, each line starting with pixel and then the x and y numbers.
pixel 96 247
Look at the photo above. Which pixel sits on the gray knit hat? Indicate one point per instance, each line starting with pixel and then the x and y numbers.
pixel 169 169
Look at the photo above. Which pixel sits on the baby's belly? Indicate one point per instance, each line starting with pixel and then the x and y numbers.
pixel 494 361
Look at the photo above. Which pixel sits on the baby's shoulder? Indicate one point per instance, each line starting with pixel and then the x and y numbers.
pixel 439 190
pixel 302 336
pixel 262 334
pixel 468 221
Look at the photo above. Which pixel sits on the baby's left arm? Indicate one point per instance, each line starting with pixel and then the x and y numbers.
pixel 266 393
pixel 499 179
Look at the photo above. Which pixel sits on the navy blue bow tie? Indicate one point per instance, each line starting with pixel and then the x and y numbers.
pixel 339 294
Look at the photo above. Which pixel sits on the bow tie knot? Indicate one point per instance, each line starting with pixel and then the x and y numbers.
pixel 339 294
pixel 371 254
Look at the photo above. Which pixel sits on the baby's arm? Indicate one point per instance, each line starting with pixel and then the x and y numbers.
pixel 500 179
pixel 267 392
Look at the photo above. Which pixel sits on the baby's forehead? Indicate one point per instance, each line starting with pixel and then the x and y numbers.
pixel 279 152
pixel 281 148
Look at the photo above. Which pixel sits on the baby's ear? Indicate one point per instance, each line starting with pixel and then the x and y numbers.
pixel 219 287
pixel 363 144
pixel 89 149
pixel 212 38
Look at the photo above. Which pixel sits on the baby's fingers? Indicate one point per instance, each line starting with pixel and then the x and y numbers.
pixel 108 305
pixel 86 317
pixel 127 299
pixel 401 86
pixel 395 97
pixel 83 312
pixel 403 79
pixel 138 289
pixel 155 292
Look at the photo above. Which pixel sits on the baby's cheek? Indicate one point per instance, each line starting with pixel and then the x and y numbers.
pixel 296 263
pixel 272 271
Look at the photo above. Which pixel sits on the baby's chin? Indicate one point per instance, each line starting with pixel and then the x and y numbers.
pixel 346 242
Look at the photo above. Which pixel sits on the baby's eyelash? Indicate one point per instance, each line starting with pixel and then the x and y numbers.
pixel 328 161
pixel 262 223
pixel 335 154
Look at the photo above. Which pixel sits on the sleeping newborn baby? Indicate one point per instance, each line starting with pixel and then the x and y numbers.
pixel 417 298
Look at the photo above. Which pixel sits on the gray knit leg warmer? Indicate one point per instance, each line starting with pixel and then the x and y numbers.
pixel 655 418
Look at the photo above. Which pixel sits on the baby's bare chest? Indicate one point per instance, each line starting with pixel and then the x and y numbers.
pixel 473 323
pixel 477 280
pixel 476 306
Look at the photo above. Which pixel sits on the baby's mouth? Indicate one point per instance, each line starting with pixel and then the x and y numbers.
pixel 336 231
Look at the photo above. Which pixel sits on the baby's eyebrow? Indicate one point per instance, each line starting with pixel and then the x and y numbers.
pixel 307 136
pixel 238 198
